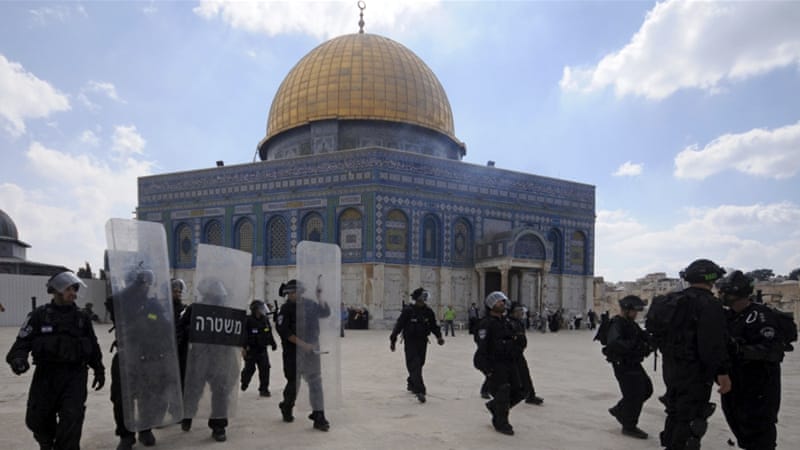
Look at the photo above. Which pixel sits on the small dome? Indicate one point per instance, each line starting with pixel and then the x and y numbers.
pixel 361 76
pixel 7 227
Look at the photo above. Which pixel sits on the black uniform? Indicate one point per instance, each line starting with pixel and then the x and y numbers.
pixel 311 368
pixel 143 318
pixel 220 388
pixel 177 310
pixel 521 340
pixel 751 407
pixel 694 353
pixel 416 323
pixel 497 357
pixel 259 336
pixel 626 347
pixel 62 341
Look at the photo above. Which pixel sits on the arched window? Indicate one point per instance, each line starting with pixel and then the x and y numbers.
pixel 183 245
pixel 554 237
pixel 430 238
pixel 350 232
pixel 213 233
pixel 577 251
pixel 244 238
pixel 462 242
pixel 312 227
pixel 277 239
pixel 396 235
pixel 529 246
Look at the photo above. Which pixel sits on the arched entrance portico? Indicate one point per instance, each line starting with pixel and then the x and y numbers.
pixel 515 262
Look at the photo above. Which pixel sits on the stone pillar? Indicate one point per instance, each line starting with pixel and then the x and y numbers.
pixel 504 278
pixel 446 286
pixel 377 291
pixel 481 284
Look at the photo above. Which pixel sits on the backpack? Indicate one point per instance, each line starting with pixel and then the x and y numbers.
pixel 602 330
pixel 787 328
pixel 660 318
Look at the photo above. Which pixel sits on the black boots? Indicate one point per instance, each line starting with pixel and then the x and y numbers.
pixel 126 442
pixel 320 422
pixel 634 432
pixel 534 400
pixel 219 434
pixel 286 412
pixel 146 438
pixel 186 424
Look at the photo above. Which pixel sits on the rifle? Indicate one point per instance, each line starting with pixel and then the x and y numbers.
pixel 655 360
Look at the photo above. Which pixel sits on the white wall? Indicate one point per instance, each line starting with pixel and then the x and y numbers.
pixel 16 292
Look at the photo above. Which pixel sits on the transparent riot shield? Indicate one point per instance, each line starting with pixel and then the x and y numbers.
pixel 144 324
pixel 213 362
pixel 319 278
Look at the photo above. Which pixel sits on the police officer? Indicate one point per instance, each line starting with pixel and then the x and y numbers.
pixel 62 342
pixel 259 336
pixel 757 348
pixel 416 322
pixel 518 313
pixel 626 347
pixel 496 358
pixel 309 365
pixel 694 357
pixel 143 317
pixel 178 287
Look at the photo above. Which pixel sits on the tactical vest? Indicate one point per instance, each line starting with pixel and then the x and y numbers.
pixel 61 337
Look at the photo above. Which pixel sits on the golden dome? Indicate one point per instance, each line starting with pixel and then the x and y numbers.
pixel 361 76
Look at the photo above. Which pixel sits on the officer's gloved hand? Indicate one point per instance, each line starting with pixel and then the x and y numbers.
pixel 19 366
pixel 391 345
pixel 274 346
pixel 99 380
pixel 440 341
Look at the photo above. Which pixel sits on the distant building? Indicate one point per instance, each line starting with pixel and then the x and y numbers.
pixel 13 251
pixel 23 282
pixel 361 151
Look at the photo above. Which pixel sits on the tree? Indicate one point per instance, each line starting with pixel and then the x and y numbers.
pixel 761 274
pixel 795 274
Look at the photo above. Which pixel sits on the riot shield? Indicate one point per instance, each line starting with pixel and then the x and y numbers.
pixel 144 324
pixel 319 278
pixel 222 285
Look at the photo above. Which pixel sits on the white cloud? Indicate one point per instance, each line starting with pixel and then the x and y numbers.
pixel 23 96
pixel 318 19
pixel 687 44
pixel 105 88
pixel 629 169
pixel 64 214
pixel 59 13
pixel 759 152
pixel 127 141
pixel 150 8
pixel 741 236
pixel 97 88
pixel 89 137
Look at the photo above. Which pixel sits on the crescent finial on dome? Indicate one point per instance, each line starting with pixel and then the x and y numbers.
pixel 362 6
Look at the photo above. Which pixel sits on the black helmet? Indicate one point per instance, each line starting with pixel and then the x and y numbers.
pixel 631 302
pixel 286 288
pixel 702 271
pixel 258 305
pixel 420 294
pixel 737 284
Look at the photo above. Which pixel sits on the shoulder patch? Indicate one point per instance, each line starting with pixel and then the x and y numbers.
pixel 482 333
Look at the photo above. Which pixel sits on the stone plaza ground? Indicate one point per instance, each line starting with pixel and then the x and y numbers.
pixel 569 372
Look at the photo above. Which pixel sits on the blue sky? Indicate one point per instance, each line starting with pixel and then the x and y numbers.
pixel 684 115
